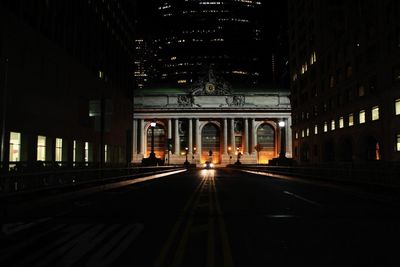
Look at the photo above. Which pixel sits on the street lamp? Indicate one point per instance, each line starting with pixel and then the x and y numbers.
pixel 282 153
pixel 152 125
pixel 186 153
pixel 229 153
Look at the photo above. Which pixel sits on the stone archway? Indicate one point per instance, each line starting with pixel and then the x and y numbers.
pixel 266 138
pixel 160 144
pixel 210 143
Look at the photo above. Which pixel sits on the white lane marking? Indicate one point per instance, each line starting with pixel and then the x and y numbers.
pixel 303 198
pixel 74 249
pixel 113 249
pixel 280 216
pixel 50 250
pixel 12 228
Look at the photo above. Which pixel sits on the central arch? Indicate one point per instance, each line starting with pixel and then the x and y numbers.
pixel 210 143
pixel 266 139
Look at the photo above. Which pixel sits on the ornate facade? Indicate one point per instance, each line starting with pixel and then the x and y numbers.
pixel 210 122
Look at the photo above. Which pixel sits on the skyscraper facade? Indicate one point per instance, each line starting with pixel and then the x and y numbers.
pixel 196 34
pixel 66 83
pixel 345 78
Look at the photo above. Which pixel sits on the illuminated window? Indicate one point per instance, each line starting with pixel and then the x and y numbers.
pixel 351 119
pixel 375 113
pixel 361 116
pixel 341 122
pixel 302 133
pixel 308 132
pixel 296 135
pixel 325 127
pixel 316 129
pixel 74 151
pixel 15 147
pixel 398 143
pixel 397 107
pixel 333 125
pixel 105 153
pixel 361 90
pixel 101 74
pixel 41 148
pixel 58 149
pixel 86 152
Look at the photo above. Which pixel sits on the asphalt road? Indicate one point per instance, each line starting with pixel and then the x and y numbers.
pixel 209 218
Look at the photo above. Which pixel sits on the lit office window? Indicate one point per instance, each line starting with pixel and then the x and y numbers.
pixel 41 148
pixel 15 146
pixel 308 132
pixel 333 125
pixel 58 149
pixel 361 116
pixel 398 143
pixel 397 106
pixel 375 113
pixel 86 151
pixel 316 129
pixel 351 119
pixel 105 153
pixel 325 127
pixel 74 151
pixel 341 122
pixel 302 133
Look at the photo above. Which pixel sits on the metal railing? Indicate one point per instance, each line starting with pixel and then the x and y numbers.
pixel 28 180
pixel 378 173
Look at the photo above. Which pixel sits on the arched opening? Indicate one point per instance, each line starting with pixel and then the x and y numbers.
pixel 159 141
pixel 304 152
pixel 329 151
pixel 266 140
pixel 210 143
pixel 372 149
pixel 345 150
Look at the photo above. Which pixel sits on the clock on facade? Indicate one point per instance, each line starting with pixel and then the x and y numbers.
pixel 210 88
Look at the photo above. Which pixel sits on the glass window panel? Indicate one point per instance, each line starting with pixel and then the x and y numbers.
pixel 351 119
pixel 58 149
pixel 397 106
pixel 375 113
pixel 362 116
pixel 341 122
pixel 41 148
pixel 15 147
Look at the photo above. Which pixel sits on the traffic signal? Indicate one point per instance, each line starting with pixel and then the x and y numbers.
pixel 169 144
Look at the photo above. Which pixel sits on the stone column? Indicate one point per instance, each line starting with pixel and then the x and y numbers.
pixel 169 129
pixel 246 136
pixel 141 138
pixel 253 137
pixel 198 137
pixel 134 137
pixel 225 151
pixel 190 137
pixel 232 134
pixel 289 137
pixel 176 144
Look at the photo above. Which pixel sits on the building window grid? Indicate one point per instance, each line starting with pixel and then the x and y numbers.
pixel 15 147
pixel 58 152
pixel 41 148
pixel 375 113
pixel 397 106
pixel 398 143
pixel 351 119
pixel 361 117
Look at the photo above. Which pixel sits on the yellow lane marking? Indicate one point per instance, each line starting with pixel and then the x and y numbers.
pixel 161 258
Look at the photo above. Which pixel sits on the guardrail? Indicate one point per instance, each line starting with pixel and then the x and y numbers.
pixel 12 183
pixel 377 173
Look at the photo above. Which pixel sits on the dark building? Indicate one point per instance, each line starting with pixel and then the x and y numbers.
pixel 192 35
pixel 66 82
pixel 345 80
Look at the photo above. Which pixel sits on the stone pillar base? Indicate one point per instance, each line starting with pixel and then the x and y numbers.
pixel 137 158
